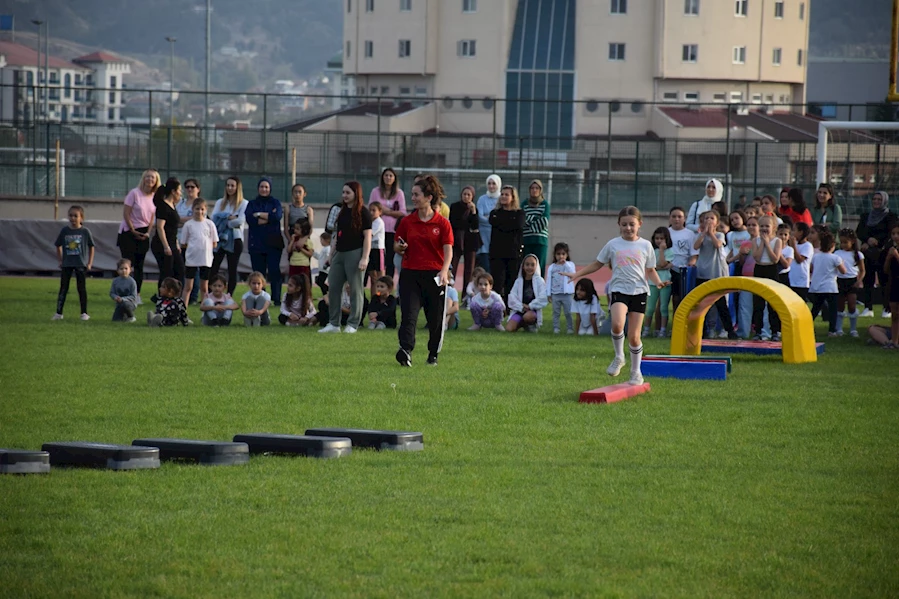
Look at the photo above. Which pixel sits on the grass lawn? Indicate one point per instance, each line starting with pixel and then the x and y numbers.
pixel 782 481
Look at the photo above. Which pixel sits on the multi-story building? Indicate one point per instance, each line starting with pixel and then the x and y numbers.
pixel 84 90
pixel 342 86
pixel 543 55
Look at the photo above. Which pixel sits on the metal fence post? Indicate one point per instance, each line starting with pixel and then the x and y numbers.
pixel 288 183
pixel 609 157
pixel 150 135
pixel 636 172
pixel 378 139
pixel 520 160
pixel 264 130
pixel 493 154
pixel 168 153
pixel 755 171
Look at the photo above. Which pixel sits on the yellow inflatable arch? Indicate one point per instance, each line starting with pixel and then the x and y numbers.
pixel 796 319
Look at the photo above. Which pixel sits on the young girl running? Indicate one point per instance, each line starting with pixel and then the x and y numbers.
pixel 850 281
pixel 891 267
pixel 296 307
pixel 587 309
pixel 712 264
pixel 633 262
pixel 661 241
pixel 559 288
pixel 528 297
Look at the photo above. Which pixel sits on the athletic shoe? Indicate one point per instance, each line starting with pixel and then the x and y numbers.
pixel 732 335
pixel 757 338
pixel 723 335
pixel 57 317
pixel 556 331
pixel 140 302
pixel 838 334
pixel 403 357
pixel 833 334
pixel 132 319
pixel 474 327
pixel 85 316
pixel 645 332
pixel 189 321
pixel 614 368
pixel 329 328
pixel 349 329
pixel 886 314
pixel 867 313
pixel 766 337
pixel 432 359
pixel 500 327
pixel 636 379
pixel 853 333
pixel 777 337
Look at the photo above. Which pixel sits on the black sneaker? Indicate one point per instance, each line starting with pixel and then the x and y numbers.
pixel 732 335
pixel 403 357
pixel 432 359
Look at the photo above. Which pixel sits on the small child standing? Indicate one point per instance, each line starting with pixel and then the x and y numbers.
pixel 848 282
pixel 661 241
pixel 170 308
pixel 472 288
pixel 823 288
pixel 321 279
pixel 633 263
pixel 487 307
pixel 766 251
pixel 587 308
pixel 199 237
pixel 296 306
pixel 300 250
pixel 712 264
pixel 802 260
pixel 255 303
pixel 682 240
pixel 75 253
pixel 376 266
pixel 123 292
pixel 382 309
pixel 218 306
pixel 784 232
pixel 561 289
pixel 527 297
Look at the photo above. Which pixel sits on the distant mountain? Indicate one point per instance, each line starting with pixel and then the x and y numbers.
pixel 293 39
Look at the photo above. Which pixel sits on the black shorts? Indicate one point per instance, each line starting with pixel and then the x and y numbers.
pixel 191 272
pixel 634 303
pixel 845 286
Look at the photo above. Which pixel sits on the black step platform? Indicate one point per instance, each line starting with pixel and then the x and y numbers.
pixel 307 445
pixel 390 440
pixel 208 453
pixel 102 455
pixel 24 461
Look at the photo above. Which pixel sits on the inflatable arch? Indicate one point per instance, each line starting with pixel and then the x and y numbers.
pixel 796 319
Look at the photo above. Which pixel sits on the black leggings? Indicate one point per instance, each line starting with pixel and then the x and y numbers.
pixel 64 280
pixel 419 290
pixel 764 271
pixel 504 272
pixel 874 268
pixel 169 266
pixel 233 260
pixel 818 300
pixel 723 310
pixel 135 251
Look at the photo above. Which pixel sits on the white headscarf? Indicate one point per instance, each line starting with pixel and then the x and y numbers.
pixel 499 185
pixel 719 191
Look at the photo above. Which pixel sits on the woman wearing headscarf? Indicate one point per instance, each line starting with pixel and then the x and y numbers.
pixel 486 204
pixel 873 234
pixel 714 192
pixel 536 223
pixel 265 242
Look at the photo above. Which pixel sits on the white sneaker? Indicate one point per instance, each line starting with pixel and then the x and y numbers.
pixel 57 317
pixel 722 335
pixel 140 302
pixel 766 337
pixel 329 328
pixel 839 334
pixel 777 337
pixel 660 333
pixel 853 333
pixel 886 314
pixel 867 313
pixel 371 325
pixel 636 379
pixel 85 316
pixel 349 329
pixel 614 368
pixel 132 319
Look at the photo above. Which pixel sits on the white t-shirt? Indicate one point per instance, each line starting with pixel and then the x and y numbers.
pixel 799 273
pixel 585 309
pixel 628 261
pixel 199 236
pixel 851 266
pixel 734 240
pixel 786 252
pixel 377 234
pixel 682 244
pixel 824 273
pixel 765 259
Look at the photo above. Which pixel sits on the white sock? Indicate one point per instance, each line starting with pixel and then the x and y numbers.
pixel 618 344
pixel 636 357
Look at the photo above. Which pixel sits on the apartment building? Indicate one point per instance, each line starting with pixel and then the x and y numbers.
pixel 84 90
pixel 563 65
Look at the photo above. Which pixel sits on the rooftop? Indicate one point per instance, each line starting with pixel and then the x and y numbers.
pixel 18 55
pixel 99 57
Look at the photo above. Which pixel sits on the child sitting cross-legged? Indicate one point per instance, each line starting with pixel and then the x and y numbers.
pixel 382 308
pixel 170 308
pixel 123 291
pixel 487 307
pixel 528 297
pixel 255 303
pixel 218 306
pixel 296 306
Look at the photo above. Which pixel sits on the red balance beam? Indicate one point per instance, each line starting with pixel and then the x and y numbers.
pixel 613 393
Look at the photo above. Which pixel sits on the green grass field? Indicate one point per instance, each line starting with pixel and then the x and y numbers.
pixel 781 482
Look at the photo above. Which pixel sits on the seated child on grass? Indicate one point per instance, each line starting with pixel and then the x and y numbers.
pixel 255 303
pixel 218 306
pixel 296 307
pixel 588 313
pixel 487 307
pixel 382 309
pixel 528 297
pixel 123 292
pixel 170 308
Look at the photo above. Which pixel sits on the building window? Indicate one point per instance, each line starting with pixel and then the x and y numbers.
pixel 348 49
pixel 68 85
pixel 385 90
pixel 736 97
pixel 77 79
pixel 111 114
pixel 756 98
pixel 405 48
pixel 690 53
pixel 369 5
pixel 369 49
pixel 466 48
pixel 469 5
pixel 799 58
pixel 374 90
pixel 740 8
pixel 769 98
pixel 775 60
pixel 421 91
pixel 616 51
pixel 779 9
pixel 619 7
pixel 719 98
pixel 405 91
pixel 669 96
pixel 739 54
pixel 112 81
pixel 802 11
pixel 691 96
pixel 112 97
pixel 405 5
pixel 691 7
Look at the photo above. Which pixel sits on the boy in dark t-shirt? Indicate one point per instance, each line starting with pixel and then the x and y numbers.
pixel 75 252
